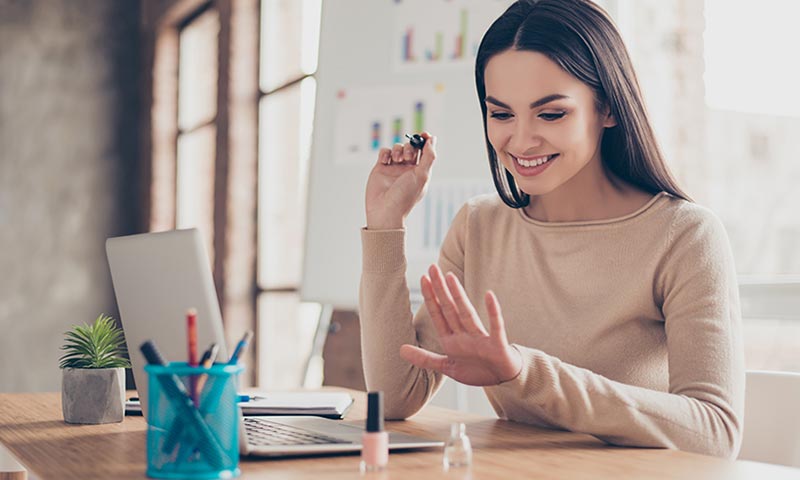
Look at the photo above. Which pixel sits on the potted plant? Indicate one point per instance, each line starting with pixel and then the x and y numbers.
pixel 93 373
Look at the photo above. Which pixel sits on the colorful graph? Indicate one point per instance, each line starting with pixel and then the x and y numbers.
pixel 371 118
pixel 448 33
pixel 398 130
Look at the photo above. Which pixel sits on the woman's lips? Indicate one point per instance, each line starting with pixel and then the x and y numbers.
pixel 534 167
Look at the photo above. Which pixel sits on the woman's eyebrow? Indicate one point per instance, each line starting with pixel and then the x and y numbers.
pixel 537 103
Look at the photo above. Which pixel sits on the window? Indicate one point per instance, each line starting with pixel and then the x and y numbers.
pixel 203 144
pixel 754 108
pixel 183 155
pixel 197 130
pixel 753 116
pixel 726 109
pixel 289 45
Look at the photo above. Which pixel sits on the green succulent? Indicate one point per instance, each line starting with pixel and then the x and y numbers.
pixel 100 345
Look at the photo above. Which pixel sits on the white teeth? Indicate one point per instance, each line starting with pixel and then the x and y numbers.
pixel 532 163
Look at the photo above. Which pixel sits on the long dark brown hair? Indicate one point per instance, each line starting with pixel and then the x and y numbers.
pixel 581 38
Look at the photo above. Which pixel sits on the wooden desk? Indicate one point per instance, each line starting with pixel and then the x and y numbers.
pixel 31 427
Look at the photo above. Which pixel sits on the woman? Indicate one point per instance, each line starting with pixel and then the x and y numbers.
pixel 620 314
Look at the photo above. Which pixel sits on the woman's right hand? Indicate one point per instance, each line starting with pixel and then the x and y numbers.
pixel 397 182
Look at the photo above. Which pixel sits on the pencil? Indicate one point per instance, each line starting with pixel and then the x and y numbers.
pixel 207 361
pixel 191 334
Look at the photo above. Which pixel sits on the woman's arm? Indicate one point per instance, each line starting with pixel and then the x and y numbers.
pixel 386 324
pixel 396 183
pixel 386 318
pixel 702 411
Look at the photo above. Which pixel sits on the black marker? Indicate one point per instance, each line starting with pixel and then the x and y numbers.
pixel 416 141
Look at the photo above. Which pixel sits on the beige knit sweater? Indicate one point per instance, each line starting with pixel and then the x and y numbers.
pixel 629 328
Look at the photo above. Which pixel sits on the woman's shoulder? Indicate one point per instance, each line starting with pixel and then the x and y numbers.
pixel 692 222
pixel 484 208
pixel 689 214
pixel 488 202
pixel 479 213
pixel 697 248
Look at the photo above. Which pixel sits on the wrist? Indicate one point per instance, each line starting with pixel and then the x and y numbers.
pixel 384 223
pixel 515 367
pixel 384 227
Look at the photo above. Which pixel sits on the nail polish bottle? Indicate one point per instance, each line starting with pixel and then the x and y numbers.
pixel 458 449
pixel 375 440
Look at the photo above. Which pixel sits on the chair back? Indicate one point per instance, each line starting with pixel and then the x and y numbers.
pixel 771 422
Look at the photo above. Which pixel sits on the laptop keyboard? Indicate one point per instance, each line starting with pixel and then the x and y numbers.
pixel 262 432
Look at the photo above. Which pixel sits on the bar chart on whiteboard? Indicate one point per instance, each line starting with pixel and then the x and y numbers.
pixel 441 32
pixel 369 118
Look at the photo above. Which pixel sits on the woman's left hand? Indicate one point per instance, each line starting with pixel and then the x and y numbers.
pixel 471 354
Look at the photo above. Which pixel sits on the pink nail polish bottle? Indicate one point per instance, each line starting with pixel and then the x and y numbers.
pixel 375 441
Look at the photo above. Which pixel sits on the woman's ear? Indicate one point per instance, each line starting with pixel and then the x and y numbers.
pixel 608 118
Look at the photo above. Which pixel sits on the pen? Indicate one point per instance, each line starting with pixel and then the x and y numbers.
pixel 237 352
pixel 209 356
pixel 191 334
pixel 247 398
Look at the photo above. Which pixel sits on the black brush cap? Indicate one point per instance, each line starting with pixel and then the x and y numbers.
pixel 416 140
pixel 375 412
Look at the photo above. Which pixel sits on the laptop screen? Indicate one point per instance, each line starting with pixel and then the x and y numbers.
pixel 157 277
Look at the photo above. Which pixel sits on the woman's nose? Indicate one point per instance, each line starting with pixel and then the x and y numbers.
pixel 525 137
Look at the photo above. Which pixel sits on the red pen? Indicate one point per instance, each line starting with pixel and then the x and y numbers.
pixel 191 333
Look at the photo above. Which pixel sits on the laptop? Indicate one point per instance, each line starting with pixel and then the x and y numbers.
pixel 157 277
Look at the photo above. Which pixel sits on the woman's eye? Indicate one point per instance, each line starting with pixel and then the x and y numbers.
pixel 501 115
pixel 550 117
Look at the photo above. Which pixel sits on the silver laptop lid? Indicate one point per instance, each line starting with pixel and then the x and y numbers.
pixel 157 277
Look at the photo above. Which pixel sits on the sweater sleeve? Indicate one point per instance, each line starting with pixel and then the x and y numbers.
pixel 387 321
pixel 703 407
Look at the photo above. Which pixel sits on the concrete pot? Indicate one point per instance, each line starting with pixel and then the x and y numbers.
pixel 93 395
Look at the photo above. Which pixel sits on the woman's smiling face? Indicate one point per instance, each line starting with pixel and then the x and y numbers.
pixel 542 122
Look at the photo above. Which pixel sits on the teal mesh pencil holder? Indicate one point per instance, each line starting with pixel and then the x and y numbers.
pixel 192 437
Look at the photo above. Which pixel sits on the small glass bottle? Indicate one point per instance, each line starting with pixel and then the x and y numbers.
pixel 375 440
pixel 457 450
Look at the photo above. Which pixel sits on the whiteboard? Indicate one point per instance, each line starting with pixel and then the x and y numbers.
pixel 385 68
